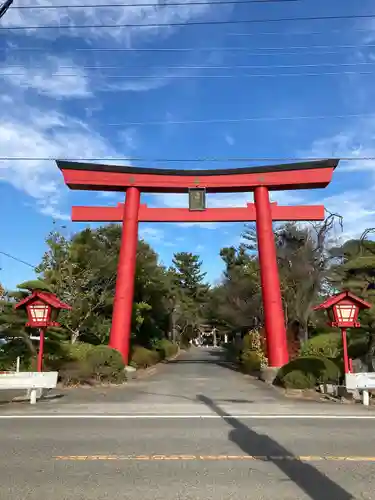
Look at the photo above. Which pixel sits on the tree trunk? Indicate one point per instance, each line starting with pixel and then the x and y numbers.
pixel 303 334
pixel 74 337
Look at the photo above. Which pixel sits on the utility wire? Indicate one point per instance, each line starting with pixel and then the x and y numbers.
pixel 240 120
pixel 193 23
pixel 166 68
pixel 4 7
pixel 230 120
pixel 190 160
pixel 155 5
pixel 224 77
pixel 261 33
pixel 301 33
pixel 17 259
pixel 246 50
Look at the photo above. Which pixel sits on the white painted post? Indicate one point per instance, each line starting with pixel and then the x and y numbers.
pixel 225 338
pixel 33 396
pixel 214 334
pixel 366 398
pixel 18 364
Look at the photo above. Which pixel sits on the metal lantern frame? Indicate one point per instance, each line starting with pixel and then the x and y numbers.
pixel 346 314
pixel 343 310
pixel 38 313
pixel 42 311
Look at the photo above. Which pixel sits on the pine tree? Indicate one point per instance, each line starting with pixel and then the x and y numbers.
pixel 188 275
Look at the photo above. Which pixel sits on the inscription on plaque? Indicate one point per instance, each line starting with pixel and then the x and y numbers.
pixel 197 199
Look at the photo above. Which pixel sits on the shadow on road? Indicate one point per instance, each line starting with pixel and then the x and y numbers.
pixel 315 484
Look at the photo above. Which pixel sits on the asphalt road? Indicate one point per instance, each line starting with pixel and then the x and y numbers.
pixel 196 429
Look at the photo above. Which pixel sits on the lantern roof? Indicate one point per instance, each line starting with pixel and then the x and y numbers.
pixel 345 295
pixel 47 297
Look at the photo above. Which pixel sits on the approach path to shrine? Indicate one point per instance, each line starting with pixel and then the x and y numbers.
pixel 194 429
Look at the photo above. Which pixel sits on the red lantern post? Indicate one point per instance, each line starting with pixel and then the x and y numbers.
pixel 42 311
pixel 343 310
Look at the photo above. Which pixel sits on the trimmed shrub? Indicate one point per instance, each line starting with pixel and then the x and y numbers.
pixel 317 368
pixel 79 350
pixel 106 364
pixel 143 358
pixel 326 344
pixel 299 380
pixel 250 361
pixel 166 348
pixel 85 363
pixel 257 345
pixel 75 373
pixel 247 342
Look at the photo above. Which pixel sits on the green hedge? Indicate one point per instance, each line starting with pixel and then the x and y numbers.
pixel 250 361
pixel 329 345
pixel 325 344
pixel 166 348
pixel 299 380
pixel 307 372
pixel 86 363
pixel 143 358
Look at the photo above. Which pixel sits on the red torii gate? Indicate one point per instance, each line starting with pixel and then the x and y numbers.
pixel 260 180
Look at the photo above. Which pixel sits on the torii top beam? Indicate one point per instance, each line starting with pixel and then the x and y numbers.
pixel 97 177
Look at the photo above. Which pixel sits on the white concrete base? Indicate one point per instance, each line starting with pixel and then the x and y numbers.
pixel 269 373
pixel 366 398
pixel 130 369
pixel 33 397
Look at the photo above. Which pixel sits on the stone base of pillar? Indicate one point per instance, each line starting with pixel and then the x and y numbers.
pixel 268 374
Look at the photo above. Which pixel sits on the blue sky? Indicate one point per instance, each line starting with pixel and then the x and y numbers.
pixel 54 105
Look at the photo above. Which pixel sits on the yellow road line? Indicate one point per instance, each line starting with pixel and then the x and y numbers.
pixel 260 458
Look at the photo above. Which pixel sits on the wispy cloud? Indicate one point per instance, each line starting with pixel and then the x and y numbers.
pixel 356 140
pixel 354 202
pixel 129 137
pixel 155 235
pixel 28 132
pixel 357 210
pixel 49 79
pixel 137 13
pixel 151 233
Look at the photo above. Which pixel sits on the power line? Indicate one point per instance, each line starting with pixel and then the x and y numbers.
pixel 17 259
pixel 169 4
pixel 191 160
pixel 193 23
pixel 224 77
pixel 165 68
pixel 301 33
pixel 246 50
pixel 5 7
pixel 241 120
pixel 261 33
pixel 233 120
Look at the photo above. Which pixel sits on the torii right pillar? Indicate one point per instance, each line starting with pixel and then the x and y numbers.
pixel 277 346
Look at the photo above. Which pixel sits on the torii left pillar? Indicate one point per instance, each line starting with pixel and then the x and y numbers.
pixel 123 301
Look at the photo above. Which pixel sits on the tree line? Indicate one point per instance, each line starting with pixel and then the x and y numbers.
pixel 174 301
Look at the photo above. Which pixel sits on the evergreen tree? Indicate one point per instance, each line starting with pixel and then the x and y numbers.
pixel 188 294
pixel 188 276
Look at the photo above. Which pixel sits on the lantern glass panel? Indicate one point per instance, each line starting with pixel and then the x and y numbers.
pixel 39 312
pixel 346 312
